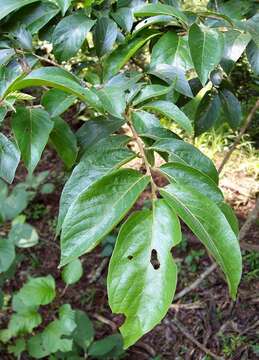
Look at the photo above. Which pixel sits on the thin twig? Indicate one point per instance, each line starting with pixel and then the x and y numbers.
pixel 238 138
pixel 244 230
pixel 106 321
pixel 98 272
pixel 186 333
pixel 47 60
pixel 143 156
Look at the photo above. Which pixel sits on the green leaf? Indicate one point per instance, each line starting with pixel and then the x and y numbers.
pixel 97 210
pixel 159 19
pixel 11 5
pixel 64 141
pixel 173 50
pixel 235 44
pixel 72 272
pixel 252 52
pixel 174 76
pixel 209 224
pixel 119 57
pixel 142 274
pixel 186 175
pixel 60 79
pixel 23 235
pixel 149 92
pixel 206 46
pixel 161 9
pixel 148 125
pixel 35 16
pixel 36 292
pixel 231 107
pixel 104 35
pixel 111 347
pixel 18 348
pixel 124 18
pixel 66 43
pixel 9 159
pixel 31 128
pixel 7 254
pixel 97 129
pixel 172 112
pixel 24 322
pixel 183 152
pixel 107 96
pixel 101 159
pixel 207 113
pixel 64 5
pixel 57 101
pixel 83 335
pixel 16 202
pixel 230 216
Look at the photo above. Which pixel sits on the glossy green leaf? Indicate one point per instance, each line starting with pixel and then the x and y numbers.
pixel 57 101
pixel 64 5
pixel 252 52
pixel 98 161
pixel 9 158
pixel 148 125
pixel 206 46
pixel 187 175
pixel 159 19
pixel 94 130
pixel 97 210
pixel 64 141
pixel 66 43
pixel 11 5
pixel 207 113
pixel 105 34
pixel 60 79
pixel 37 291
pixel 72 272
pixel 174 76
pixel 7 254
pixel 183 152
pixel 119 57
pixel 161 9
pixel 252 26
pixel 113 100
pixel 231 107
pixel 235 44
pixel 124 18
pixel 142 274
pixel 230 216
pixel 31 128
pixel 173 50
pixel 172 112
pixel 149 92
pixel 209 224
pixel 83 335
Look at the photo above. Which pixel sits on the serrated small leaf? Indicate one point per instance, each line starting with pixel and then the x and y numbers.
pixel 97 210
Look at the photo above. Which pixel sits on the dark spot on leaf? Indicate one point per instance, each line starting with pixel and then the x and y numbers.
pixel 154 260
pixel 130 257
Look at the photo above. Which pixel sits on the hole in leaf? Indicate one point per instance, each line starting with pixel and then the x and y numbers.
pixel 130 257
pixel 154 260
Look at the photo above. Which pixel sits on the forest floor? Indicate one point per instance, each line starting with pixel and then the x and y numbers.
pixel 228 329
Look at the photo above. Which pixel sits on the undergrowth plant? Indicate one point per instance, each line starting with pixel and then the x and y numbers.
pixel 123 66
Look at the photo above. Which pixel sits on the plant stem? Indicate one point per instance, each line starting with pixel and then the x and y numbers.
pixel 143 155
pixel 238 138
